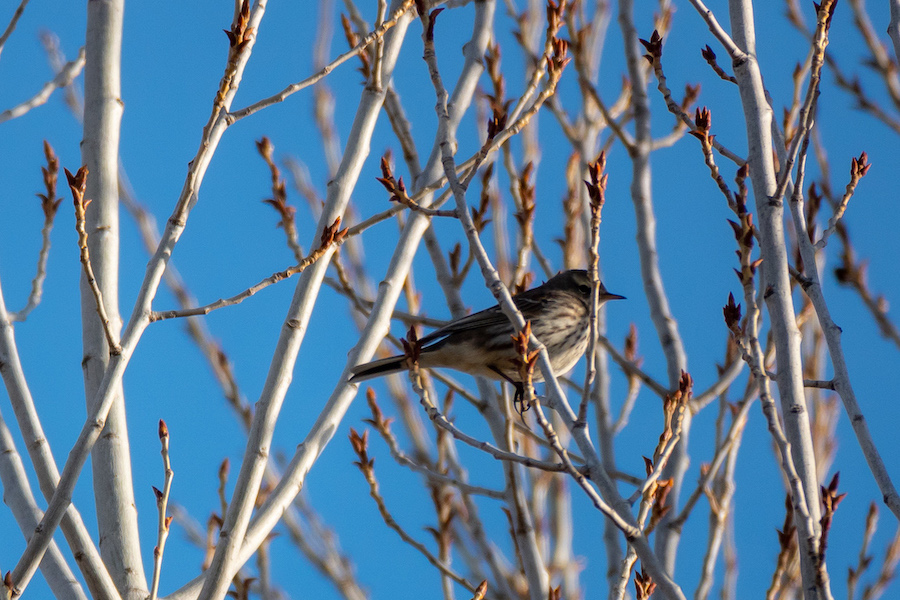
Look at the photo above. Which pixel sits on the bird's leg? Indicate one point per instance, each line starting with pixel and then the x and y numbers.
pixel 519 396
pixel 519 400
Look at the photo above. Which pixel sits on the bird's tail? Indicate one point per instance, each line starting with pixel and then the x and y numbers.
pixel 377 368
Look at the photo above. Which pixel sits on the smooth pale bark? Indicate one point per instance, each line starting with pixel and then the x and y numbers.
pixel 110 459
pixel 139 320
pixel 667 539
pixel 18 496
pixel 776 282
pixel 95 574
pixel 227 560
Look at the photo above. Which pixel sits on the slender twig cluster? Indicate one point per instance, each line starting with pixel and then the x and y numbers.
pixel 78 184
pixel 539 442
pixel 331 236
pixel 49 205
pixel 596 189
pixel 397 190
pixel 279 201
pixel 162 503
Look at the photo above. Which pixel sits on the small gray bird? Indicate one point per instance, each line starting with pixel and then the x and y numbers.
pixel 481 343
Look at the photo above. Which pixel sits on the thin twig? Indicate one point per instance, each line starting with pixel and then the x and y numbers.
pixel 377 34
pixel 441 421
pixel 858 169
pixel 66 75
pixel 330 236
pixel 242 38
pixel 278 201
pixel 674 408
pixel 366 466
pixel 49 204
pixel 654 49
pixel 596 188
pixel 12 23
pixel 162 502
pixel 382 425
pixel 77 184
pixel 709 472
pixel 632 369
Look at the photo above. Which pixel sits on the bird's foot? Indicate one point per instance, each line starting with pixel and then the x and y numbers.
pixel 519 400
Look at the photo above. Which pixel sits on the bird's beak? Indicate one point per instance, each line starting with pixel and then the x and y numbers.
pixel 608 296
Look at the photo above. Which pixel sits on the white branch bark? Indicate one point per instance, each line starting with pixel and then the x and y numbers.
pixel 758 119
pixel 226 560
pixel 93 570
pixel 663 320
pixel 18 496
pixel 111 457
pixel 140 317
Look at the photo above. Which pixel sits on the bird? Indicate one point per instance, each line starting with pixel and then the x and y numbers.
pixel 481 344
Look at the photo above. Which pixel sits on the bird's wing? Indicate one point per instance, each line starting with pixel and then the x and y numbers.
pixel 489 317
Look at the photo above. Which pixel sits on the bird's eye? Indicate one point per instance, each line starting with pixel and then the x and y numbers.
pixel 584 289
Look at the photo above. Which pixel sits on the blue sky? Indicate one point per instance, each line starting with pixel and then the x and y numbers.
pixel 171 66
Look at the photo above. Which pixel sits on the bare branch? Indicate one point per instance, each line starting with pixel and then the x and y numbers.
pixel 77 183
pixel 65 76
pixel 162 502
